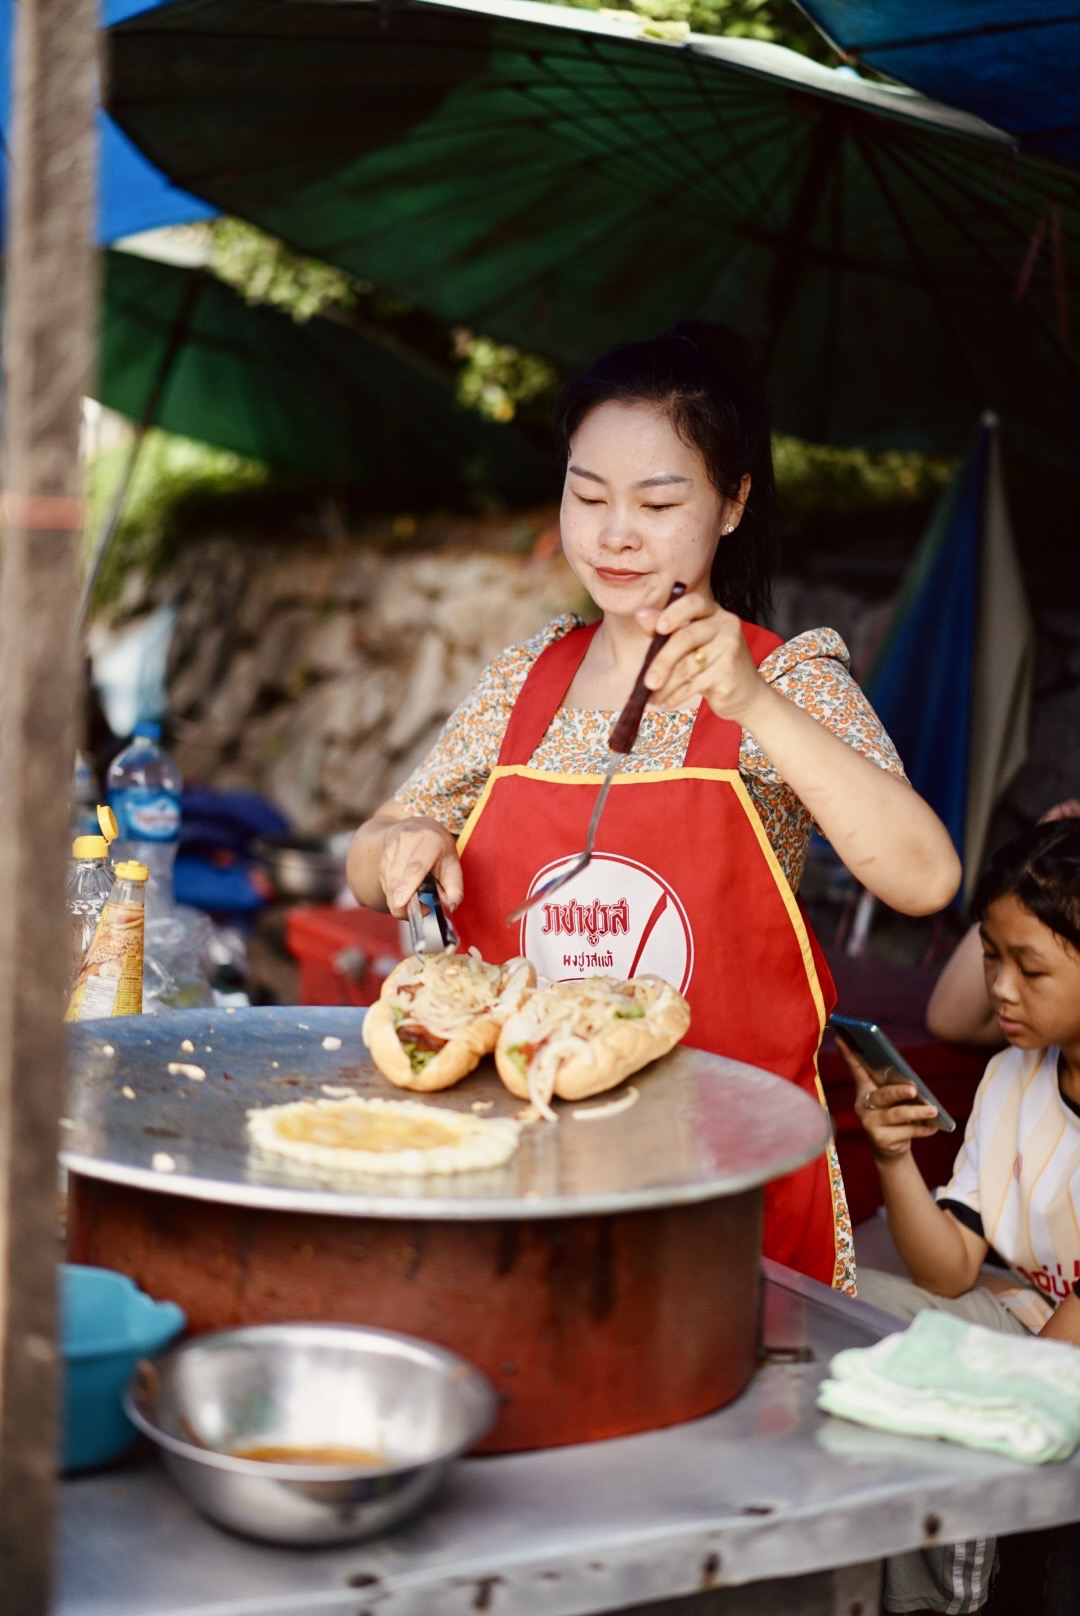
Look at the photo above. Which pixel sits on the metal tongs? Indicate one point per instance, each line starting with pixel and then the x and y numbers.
pixel 430 930
pixel 620 744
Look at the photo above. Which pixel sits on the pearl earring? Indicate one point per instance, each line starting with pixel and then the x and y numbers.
pixel 730 528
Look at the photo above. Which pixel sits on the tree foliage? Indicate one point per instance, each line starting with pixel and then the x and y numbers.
pixel 173 476
pixel 497 380
pixel 263 270
pixel 776 21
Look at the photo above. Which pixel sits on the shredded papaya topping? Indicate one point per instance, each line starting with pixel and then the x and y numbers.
pixel 443 993
pixel 564 1020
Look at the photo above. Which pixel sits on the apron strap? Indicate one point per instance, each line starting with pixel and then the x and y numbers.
pixel 714 742
pixel 546 683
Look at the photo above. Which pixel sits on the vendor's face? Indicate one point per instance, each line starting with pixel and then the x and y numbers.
pixel 1032 977
pixel 638 509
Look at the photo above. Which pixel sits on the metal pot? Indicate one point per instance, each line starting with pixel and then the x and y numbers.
pixel 311 868
pixel 606 1279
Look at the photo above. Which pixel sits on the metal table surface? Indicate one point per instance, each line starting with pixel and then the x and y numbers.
pixel 764 1489
pixel 702 1126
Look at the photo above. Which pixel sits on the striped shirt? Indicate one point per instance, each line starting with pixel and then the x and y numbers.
pixel 1016 1182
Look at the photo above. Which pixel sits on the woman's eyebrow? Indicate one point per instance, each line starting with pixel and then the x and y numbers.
pixel 646 482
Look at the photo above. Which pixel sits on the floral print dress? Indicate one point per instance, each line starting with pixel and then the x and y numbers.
pixel 812 670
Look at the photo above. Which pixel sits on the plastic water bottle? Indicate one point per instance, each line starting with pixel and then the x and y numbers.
pixel 84 796
pixel 144 788
pixel 89 883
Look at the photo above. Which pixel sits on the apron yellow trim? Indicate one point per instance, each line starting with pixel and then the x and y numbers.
pixel 553 776
pixel 798 925
pixel 791 905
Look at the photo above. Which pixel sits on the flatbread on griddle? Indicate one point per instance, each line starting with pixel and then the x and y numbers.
pixel 403 1138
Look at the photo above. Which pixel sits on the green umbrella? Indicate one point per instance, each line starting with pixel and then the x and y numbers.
pixel 318 400
pixel 560 182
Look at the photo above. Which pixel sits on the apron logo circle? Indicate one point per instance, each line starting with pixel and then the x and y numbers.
pixel 617 918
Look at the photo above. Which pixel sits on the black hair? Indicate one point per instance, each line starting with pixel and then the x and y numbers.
pixel 706 379
pixel 1042 869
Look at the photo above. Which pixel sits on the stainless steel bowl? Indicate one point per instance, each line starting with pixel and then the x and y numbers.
pixel 309 1386
pixel 307 867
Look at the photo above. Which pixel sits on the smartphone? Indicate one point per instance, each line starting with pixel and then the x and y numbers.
pixel 886 1063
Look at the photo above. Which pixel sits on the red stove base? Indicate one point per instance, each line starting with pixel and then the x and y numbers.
pixel 588 1327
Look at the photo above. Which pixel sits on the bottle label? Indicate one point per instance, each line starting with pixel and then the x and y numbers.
pixel 110 981
pixel 146 816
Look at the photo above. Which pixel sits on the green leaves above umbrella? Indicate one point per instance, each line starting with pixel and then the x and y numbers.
pixel 548 177
pixel 319 400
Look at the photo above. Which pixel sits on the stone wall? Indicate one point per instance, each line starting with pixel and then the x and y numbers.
pixel 320 673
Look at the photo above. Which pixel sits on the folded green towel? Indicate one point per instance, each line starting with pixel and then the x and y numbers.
pixel 944 1378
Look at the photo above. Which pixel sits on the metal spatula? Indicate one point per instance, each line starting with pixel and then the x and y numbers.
pixel 430 929
pixel 620 744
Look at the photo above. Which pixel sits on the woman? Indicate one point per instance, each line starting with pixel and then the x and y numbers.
pixel 745 743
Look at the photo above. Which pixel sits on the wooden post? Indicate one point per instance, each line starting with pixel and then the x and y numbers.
pixel 48 308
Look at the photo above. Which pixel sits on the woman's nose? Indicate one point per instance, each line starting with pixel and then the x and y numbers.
pixel 619 532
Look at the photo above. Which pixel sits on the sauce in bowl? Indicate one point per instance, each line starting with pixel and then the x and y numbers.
pixel 312 1456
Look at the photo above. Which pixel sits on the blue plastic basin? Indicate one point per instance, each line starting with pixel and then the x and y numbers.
pixel 107 1324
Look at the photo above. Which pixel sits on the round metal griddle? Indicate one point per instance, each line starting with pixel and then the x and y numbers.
pixel 607 1279
pixel 702 1126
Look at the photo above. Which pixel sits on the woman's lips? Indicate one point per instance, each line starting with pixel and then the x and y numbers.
pixel 617 575
pixel 1009 1027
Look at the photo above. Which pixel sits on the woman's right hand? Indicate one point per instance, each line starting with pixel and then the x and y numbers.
pixel 886 1111
pixel 413 849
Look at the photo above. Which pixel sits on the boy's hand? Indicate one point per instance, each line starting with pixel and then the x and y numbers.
pixel 887 1113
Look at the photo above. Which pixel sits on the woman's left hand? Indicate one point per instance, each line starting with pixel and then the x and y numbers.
pixel 706 655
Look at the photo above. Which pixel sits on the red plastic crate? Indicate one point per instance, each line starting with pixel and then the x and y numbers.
pixel 344 955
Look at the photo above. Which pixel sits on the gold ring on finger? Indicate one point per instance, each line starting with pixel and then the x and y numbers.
pixel 699 656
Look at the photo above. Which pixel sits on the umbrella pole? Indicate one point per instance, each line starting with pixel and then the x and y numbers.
pixel 46 353
pixel 862 920
pixel 105 534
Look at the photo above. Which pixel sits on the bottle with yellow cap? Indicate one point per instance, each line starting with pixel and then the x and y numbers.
pixel 107 824
pixel 89 883
pixel 110 978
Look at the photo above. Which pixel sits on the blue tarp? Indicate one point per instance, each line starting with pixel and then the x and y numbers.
pixel 133 195
pixel 952 679
pixel 1012 62
pixel 922 684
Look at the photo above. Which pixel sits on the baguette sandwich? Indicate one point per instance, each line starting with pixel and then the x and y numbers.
pixel 576 1039
pixel 438 1015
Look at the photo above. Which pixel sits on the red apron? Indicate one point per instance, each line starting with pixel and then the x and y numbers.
pixel 683 884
